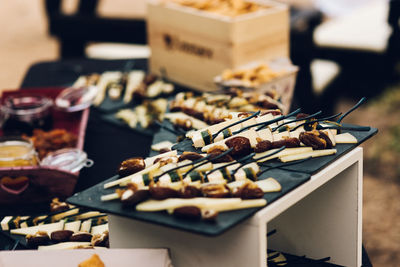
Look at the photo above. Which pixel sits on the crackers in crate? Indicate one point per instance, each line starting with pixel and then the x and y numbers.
pixel 231 8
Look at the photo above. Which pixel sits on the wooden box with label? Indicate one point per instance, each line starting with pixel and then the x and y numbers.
pixel 194 46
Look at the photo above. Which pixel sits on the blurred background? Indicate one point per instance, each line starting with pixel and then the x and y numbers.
pixel 345 49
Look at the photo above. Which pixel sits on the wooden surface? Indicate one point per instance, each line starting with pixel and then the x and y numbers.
pixel 209 43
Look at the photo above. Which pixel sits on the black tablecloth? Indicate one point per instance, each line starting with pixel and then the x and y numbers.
pixel 105 143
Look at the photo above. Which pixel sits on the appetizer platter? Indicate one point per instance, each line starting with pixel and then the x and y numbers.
pixel 64 227
pixel 40 136
pixel 225 172
pixel 119 89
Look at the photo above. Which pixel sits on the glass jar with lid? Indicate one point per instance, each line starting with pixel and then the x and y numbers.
pixel 22 114
pixel 15 152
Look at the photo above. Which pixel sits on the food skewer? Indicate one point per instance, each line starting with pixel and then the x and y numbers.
pixel 201 164
pixel 257 159
pixel 308 124
pixel 233 124
pixel 297 111
pixel 296 120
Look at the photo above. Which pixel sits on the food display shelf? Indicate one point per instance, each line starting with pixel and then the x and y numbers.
pixel 322 217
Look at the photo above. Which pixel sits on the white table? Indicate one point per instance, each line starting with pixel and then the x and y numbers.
pixel 320 218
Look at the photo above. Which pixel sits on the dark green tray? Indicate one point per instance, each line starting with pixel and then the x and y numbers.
pixel 91 198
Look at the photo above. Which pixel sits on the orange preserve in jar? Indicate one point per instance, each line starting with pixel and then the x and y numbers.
pixel 16 153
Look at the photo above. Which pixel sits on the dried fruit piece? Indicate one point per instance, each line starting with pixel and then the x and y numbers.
pixel 37 239
pixel 162 192
pixel 189 192
pixel 216 191
pixel 131 197
pixel 263 146
pixel 56 205
pixel 249 190
pixel 287 142
pixel 314 139
pixel 61 235
pixel 215 152
pixel 190 156
pixel 130 166
pixel 100 240
pixel 81 237
pixel 241 145
pixel 187 212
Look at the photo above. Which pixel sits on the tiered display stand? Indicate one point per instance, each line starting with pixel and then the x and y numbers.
pixel 320 218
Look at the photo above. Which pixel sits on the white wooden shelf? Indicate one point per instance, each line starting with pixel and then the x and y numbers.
pixel 320 218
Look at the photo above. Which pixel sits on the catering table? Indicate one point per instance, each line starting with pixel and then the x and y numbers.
pixel 335 205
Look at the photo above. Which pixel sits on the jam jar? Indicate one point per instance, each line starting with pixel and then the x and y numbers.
pixel 17 153
pixel 23 113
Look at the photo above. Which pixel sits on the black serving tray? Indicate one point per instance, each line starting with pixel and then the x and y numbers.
pixel 91 198
pixel 310 166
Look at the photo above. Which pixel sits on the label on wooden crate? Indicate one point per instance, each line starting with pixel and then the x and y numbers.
pixel 173 42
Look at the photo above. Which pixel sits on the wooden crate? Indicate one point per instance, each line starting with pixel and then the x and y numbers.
pixel 194 46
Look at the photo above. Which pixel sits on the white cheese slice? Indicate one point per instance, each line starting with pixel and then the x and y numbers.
pixel 285 152
pixel 296 133
pixel 88 215
pixel 129 177
pixel 206 167
pixel 244 204
pixel 250 134
pixel 149 161
pixel 198 140
pixel 128 116
pixel 162 145
pixel 4 223
pixel 49 228
pixel 279 136
pixel 249 122
pixel 64 214
pixel 237 183
pixel 265 134
pixel 65 245
pixel 105 79
pixel 216 127
pixel 155 89
pixel 215 176
pixel 73 226
pixel 331 136
pixel 196 123
pixel 172 203
pixel 99 229
pixel 264 118
pixel 86 225
pixel 135 78
pixel 345 138
pixel 109 197
pixel 314 154
pixel 143 119
pixel 269 185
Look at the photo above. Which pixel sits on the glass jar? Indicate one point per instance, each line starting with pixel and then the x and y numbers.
pixel 17 153
pixel 67 159
pixel 24 113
